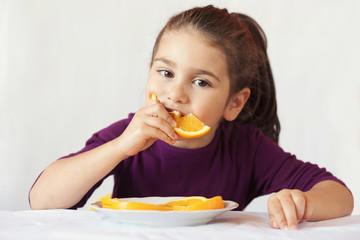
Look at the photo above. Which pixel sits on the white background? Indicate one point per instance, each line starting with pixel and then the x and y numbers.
pixel 70 68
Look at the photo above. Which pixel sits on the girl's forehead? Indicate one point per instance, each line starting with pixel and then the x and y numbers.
pixel 187 40
pixel 205 39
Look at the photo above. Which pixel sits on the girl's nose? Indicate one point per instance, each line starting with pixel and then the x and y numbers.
pixel 178 94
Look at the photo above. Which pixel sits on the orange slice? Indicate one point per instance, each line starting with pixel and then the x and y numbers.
pixel 118 204
pixel 196 203
pixel 99 200
pixel 186 201
pixel 187 126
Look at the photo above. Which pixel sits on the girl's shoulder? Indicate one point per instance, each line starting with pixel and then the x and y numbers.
pixel 105 135
pixel 240 132
pixel 120 125
pixel 108 133
pixel 114 130
pixel 246 139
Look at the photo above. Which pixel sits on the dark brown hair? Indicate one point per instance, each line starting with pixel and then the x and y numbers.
pixel 244 43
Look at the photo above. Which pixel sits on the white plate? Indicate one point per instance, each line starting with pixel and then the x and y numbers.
pixel 163 218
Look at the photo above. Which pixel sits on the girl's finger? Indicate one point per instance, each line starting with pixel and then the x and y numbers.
pixel 290 212
pixel 300 203
pixel 158 110
pixel 159 134
pixel 273 222
pixel 162 125
pixel 276 213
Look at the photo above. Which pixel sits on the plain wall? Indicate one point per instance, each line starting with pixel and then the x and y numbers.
pixel 70 68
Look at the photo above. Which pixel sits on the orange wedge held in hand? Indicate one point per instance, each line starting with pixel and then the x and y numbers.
pixel 187 126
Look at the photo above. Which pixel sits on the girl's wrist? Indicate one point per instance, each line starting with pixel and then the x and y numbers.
pixel 119 149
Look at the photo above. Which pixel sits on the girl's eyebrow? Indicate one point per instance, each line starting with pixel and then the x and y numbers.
pixel 198 71
pixel 166 61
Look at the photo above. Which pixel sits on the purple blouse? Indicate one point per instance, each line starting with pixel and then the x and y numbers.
pixel 239 164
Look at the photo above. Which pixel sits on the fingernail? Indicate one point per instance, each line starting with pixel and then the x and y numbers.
pixel 294 227
pixel 173 123
pixel 285 227
pixel 272 223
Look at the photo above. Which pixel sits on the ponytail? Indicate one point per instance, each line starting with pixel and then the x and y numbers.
pixel 261 107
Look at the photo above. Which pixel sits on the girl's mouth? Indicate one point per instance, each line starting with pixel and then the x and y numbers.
pixel 173 110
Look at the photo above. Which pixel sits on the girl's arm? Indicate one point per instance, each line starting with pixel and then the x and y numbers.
pixel 66 181
pixel 326 200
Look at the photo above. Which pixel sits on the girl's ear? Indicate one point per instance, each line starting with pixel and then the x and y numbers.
pixel 236 104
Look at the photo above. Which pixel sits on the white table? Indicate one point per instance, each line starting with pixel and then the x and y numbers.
pixel 88 225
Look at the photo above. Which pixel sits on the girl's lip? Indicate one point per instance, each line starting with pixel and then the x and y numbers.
pixel 173 109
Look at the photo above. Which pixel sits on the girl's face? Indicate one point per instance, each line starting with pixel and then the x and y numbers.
pixel 189 75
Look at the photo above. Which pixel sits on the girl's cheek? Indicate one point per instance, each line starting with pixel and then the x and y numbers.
pixel 210 117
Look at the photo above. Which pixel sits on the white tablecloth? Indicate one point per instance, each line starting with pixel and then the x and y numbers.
pixel 88 225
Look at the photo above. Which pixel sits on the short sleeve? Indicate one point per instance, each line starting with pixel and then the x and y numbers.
pixel 103 136
pixel 274 170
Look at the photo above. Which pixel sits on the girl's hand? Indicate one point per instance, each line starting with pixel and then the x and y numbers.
pixel 148 124
pixel 287 208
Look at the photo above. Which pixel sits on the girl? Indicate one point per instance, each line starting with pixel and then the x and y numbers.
pixel 213 64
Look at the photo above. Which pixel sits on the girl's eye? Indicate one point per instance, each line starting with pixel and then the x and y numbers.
pixel 166 73
pixel 202 83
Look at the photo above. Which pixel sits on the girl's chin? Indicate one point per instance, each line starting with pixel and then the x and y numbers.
pixel 190 143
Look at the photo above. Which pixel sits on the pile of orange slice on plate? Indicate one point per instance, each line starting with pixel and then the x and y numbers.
pixel 193 203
